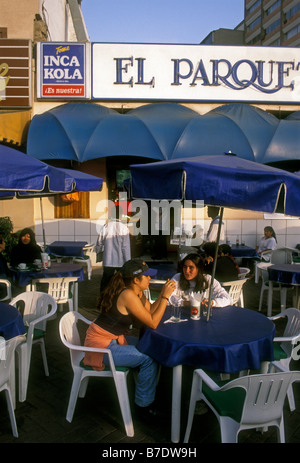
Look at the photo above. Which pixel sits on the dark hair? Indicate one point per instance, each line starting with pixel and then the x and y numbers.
pixel 270 229
pixel 112 291
pixel 201 281
pixel 225 248
pixel 210 248
pixel 27 231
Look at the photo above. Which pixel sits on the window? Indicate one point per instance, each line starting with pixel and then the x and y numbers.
pixel 292 11
pixel 273 7
pixel 273 26
pixel 72 206
pixel 254 6
pixel 254 23
pixel 292 32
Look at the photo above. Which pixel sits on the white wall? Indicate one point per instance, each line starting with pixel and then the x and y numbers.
pixel 250 231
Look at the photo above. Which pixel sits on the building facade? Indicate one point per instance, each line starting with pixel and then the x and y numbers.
pixel 272 23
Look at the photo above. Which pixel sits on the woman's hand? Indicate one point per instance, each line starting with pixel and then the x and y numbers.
pixel 205 302
pixel 168 289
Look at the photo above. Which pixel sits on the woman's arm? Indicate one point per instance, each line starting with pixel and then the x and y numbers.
pixel 134 305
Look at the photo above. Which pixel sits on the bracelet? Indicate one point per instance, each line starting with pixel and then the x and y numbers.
pixel 164 297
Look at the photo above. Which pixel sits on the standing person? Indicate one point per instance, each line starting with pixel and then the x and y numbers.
pixel 27 250
pixel 191 278
pixel 267 243
pixel 114 239
pixel 121 300
pixel 213 213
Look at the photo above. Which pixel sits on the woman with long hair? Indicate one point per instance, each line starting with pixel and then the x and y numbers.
pixel 267 243
pixel 27 250
pixel 192 279
pixel 120 302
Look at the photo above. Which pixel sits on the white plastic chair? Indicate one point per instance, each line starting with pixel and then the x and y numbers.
pixel 235 290
pixel 278 256
pixel 86 259
pixel 62 289
pixel 7 283
pixel 38 308
pixel 244 271
pixel 7 352
pixel 70 338
pixel 259 406
pixel 284 345
pixel 147 292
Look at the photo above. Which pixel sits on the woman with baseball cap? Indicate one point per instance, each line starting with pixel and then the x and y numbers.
pixel 121 301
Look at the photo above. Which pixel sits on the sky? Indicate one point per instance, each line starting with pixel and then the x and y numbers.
pixel 159 21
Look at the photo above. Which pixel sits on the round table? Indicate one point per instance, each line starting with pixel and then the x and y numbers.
pixel 57 270
pixel 11 322
pixel 284 274
pixel 233 340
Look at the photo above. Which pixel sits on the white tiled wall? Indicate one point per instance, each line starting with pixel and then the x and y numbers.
pixel 250 231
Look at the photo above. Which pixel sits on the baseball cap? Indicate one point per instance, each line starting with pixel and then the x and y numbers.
pixel 136 267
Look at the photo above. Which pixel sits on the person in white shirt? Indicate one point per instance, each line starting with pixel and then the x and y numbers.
pixel 213 213
pixel 114 239
pixel 192 279
pixel 267 243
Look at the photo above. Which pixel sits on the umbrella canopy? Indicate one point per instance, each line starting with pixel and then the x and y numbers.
pixel 22 175
pixel 20 172
pixel 225 180
pixel 25 177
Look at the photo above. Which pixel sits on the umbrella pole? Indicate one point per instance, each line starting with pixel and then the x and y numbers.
pixel 43 227
pixel 214 263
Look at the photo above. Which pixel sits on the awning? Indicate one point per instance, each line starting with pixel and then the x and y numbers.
pixel 162 131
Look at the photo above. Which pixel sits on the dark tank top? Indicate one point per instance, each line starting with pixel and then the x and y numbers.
pixel 113 321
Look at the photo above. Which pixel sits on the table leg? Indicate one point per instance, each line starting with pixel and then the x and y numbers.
pixel 270 298
pixel 176 403
pixel 75 297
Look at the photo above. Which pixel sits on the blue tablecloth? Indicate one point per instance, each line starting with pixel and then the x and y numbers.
pixel 243 252
pixel 67 248
pixel 234 339
pixel 57 270
pixel 11 322
pixel 285 273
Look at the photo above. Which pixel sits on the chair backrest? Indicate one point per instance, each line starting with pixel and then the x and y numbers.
pixel 88 249
pixel 70 336
pixel 7 284
pixel 281 256
pixel 265 395
pixel 7 349
pixel 244 271
pixel 36 305
pixel 292 328
pixel 58 288
pixel 234 289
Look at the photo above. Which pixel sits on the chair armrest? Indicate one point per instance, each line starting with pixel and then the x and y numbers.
pixel 207 379
pixel 276 317
pixel 291 339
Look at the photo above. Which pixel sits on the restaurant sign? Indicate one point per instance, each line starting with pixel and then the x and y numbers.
pixel 63 70
pixel 195 73
pixel 15 73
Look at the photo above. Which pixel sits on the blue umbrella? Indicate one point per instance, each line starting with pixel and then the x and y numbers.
pixel 23 176
pixel 223 180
